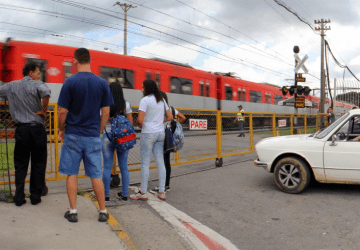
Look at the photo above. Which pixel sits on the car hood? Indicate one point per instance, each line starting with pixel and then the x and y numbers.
pixel 284 139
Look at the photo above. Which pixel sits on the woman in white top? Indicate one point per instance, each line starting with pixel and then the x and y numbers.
pixel 120 107
pixel 181 119
pixel 152 110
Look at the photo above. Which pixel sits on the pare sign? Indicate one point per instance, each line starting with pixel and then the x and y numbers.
pixel 197 124
pixel 282 123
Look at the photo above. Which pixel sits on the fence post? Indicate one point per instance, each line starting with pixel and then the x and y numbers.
pixel 305 124
pixel 251 131
pixel 274 125
pixel 292 124
pixel 218 133
pixel 317 122
pixel 56 134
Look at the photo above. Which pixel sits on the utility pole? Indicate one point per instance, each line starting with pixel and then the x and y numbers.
pixel 125 8
pixel 322 30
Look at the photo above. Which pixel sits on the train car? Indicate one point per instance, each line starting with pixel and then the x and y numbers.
pixel 186 87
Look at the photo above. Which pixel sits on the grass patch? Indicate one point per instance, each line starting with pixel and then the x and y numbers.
pixel 81 192
pixel 4 159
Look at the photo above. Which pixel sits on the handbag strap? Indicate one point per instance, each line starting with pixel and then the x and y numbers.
pixel 165 110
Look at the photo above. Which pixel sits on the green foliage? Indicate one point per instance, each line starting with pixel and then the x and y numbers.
pixel 81 192
pixel 4 159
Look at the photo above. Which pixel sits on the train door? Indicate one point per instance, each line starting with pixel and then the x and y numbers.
pixel 157 76
pixel 42 64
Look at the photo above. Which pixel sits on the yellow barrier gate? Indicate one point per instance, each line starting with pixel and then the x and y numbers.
pixel 218 141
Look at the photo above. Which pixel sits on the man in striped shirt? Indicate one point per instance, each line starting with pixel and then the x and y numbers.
pixel 28 113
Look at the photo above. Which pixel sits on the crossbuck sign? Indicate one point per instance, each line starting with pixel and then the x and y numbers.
pixel 301 63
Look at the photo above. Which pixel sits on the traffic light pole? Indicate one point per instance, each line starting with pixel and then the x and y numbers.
pixel 296 50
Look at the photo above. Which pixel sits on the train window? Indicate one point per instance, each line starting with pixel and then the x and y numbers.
pixel 148 75
pixel 124 76
pixel 42 65
pixel 255 96
pixel 207 89
pixel 67 70
pixel 180 85
pixel 201 88
pixel 228 93
pixel 157 79
pixel 277 99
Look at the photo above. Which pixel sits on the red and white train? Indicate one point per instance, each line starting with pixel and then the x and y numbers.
pixel 187 87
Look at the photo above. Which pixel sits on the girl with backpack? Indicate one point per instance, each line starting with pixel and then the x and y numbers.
pixel 120 107
pixel 181 118
pixel 150 119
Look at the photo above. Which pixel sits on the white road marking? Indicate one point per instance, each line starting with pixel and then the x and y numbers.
pixel 176 219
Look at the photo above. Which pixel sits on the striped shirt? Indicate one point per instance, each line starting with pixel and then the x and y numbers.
pixel 24 98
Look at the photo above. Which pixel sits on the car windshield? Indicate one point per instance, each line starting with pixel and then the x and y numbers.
pixel 331 127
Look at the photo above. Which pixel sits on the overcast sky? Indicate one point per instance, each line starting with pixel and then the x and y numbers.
pixel 252 38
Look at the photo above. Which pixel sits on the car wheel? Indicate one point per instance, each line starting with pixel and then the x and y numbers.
pixel 292 175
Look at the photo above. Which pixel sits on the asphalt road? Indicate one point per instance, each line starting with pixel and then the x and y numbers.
pixel 242 203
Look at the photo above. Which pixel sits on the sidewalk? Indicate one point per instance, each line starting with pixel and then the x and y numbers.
pixel 44 227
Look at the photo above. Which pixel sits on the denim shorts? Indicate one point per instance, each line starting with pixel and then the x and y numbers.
pixel 77 148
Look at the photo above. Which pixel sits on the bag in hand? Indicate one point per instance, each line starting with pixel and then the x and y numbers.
pixel 169 145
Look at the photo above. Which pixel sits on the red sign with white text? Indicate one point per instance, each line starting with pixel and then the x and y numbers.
pixel 282 123
pixel 197 124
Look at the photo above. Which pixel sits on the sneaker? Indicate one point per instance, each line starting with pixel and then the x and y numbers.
pixel 121 197
pixel 71 217
pixel 103 217
pixel 139 196
pixel 161 196
pixel 156 190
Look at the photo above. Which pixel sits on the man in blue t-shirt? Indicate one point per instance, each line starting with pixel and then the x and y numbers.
pixel 80 99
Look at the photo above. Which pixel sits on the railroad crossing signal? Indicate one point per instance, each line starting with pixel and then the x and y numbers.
pixel 301 63
pixel 296 89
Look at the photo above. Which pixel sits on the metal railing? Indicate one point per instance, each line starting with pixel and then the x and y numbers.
pixel 218 141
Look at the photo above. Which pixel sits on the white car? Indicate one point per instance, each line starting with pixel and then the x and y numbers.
pixel 331 155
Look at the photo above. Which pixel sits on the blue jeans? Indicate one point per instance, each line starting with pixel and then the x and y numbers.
pixel 108 156
pixel 152 143
pixel 77 148
pixel 241 128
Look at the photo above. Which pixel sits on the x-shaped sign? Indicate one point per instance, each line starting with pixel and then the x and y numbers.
pixel 301 63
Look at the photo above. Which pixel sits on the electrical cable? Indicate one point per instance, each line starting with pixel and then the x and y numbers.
pixel 227 26
pixel 214 31
pixel 337 62
pixel 234 60
pixel 328 79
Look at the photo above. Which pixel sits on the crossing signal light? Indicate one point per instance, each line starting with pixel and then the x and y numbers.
pixel 289 90
pixel 303 90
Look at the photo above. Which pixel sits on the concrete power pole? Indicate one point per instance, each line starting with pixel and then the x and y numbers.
pixel 322 30
pixel 125 8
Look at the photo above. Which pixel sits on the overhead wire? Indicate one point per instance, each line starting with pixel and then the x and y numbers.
pixel 105 43
pixel 227 26
pixel 204 28
pixel 327 46
pixel 233 60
